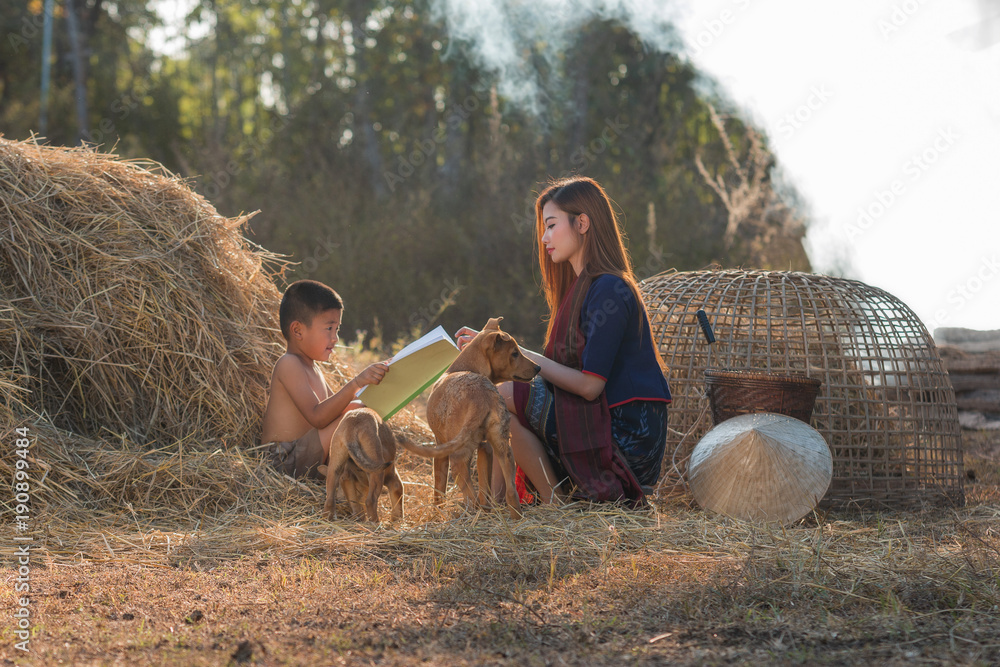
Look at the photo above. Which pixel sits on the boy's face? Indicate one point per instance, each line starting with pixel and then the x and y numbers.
pixel 320 336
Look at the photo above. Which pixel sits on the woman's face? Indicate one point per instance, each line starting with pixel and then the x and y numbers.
pixel 561 239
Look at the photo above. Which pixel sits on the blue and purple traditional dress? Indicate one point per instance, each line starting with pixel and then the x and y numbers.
pixel 609 447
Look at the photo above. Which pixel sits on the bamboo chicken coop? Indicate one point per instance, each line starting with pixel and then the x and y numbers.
pixel 886 406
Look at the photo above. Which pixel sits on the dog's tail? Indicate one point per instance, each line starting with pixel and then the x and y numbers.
pixel 357 451
pixel 432 451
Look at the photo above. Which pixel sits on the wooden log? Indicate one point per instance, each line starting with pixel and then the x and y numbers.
pixel 980 400
pixel 975 366
pixel 957 360
pixel 953 335
pixel 969 340
pixel 972 381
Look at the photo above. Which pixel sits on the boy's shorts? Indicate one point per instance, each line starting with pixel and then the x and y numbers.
pixel 298 458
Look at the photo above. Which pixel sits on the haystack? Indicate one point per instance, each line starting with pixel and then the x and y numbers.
pixel 129 305
pixel 138 328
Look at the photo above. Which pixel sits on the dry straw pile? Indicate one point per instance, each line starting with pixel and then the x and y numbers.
pixel 130 306
pixel 138 328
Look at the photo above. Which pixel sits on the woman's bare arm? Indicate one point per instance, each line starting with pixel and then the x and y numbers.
pixel 569 379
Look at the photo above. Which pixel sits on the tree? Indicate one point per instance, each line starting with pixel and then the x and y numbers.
pixel 390 166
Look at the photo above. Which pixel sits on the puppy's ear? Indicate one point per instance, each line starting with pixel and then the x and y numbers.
pixel 493 324
pixel 499 340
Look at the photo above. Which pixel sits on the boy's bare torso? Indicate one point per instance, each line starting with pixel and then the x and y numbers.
pixel 282 420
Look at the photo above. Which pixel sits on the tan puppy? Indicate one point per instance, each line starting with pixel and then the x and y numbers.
pixel 465 408
pixel 363 459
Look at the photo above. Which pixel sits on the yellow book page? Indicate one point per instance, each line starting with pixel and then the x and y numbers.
pixel 412 370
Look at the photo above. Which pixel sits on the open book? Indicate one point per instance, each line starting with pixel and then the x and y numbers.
pixel 411 370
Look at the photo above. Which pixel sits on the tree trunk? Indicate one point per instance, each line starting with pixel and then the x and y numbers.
pixel 368 142
pixel 79 73
pixel 43 121
pixel 215 136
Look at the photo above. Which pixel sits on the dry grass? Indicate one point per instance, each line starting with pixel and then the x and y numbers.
pixel 130 307
pixel 576 585
pixel 172 542
pixel 236 561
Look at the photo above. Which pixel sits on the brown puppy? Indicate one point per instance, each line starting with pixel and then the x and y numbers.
pixel 465 408
pixel 363 459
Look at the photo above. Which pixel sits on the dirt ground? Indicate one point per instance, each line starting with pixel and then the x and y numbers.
pixel 902 588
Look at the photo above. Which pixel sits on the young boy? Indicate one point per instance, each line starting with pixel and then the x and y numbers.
pixel 302 412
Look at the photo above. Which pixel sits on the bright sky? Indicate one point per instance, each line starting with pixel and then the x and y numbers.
pixel 888 122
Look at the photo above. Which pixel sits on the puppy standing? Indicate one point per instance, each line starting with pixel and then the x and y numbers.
pixel 465 408
pixel 363 459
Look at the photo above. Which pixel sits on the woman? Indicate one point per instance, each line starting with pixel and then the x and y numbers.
pixel 597 412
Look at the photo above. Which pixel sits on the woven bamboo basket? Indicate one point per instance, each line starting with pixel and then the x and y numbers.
pixel 732 393
pixel 886 405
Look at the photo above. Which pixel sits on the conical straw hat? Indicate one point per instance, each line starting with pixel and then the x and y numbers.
pixel 762 466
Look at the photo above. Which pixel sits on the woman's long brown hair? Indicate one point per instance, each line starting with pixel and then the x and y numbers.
pixel 603 245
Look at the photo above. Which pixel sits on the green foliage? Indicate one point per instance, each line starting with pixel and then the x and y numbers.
pixel 117 62
pixel 387 165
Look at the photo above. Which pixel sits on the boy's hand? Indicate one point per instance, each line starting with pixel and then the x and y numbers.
pixel 373 374
pixel 464 336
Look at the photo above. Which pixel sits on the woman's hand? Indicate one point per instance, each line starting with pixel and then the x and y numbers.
pixel 464 336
